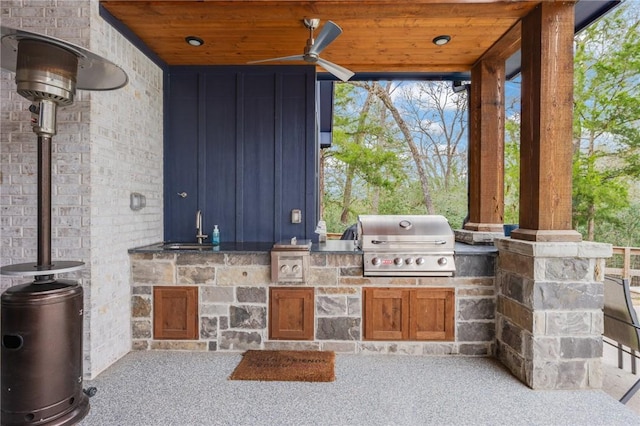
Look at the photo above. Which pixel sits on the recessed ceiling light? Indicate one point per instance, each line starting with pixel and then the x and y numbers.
pixel 441 40
pixel 194 41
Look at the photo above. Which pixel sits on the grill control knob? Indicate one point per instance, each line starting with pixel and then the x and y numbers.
pixel 284 269
pixel 442 261
pixel 295 269
pixel 376 261
pixel 420 261
pixel 398 261
pixel 409 261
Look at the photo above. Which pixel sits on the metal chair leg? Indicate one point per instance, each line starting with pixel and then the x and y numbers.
pixel 627 396
pixel 620 363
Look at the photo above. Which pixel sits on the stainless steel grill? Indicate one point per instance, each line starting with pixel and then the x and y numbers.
pixel 397 245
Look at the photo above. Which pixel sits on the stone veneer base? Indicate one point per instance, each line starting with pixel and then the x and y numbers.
pixel 233 303
pixel 549 320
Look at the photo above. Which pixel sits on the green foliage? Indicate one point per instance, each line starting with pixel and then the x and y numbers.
pixel 375 164
pixel 606 117
pixel 332 211
pixel 606 165
pixel 596 197
pixel 385 179
pixel 452 203
pixel 624 231
pixel 512 171
pixel 361 143
pixel 405 200
pixel 607 77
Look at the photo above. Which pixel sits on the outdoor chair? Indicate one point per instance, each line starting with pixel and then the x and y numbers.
pixel 351 233
pixel 621 325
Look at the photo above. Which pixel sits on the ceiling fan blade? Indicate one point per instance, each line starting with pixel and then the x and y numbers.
pixel 341 72
pixel 284 58
pixel 328 33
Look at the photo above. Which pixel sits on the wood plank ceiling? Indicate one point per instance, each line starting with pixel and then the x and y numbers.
pixel 379 35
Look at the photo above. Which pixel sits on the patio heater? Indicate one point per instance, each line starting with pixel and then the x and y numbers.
pixel 41 321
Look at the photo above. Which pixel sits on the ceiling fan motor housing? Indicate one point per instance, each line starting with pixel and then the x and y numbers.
pixel 311 23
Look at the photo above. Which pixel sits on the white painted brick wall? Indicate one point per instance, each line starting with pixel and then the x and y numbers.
pixel 108 145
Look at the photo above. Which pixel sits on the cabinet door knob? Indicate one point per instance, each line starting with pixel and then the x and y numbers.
pixel 182 194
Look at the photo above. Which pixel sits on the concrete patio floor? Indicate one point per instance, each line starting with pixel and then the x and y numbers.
pixel 191 388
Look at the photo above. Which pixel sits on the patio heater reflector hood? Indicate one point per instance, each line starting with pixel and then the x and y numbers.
pixel 41 322
pixel 93 72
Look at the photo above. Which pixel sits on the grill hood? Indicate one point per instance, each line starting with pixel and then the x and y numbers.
pixel 406 245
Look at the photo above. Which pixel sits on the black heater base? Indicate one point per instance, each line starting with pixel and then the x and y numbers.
pixel 41 354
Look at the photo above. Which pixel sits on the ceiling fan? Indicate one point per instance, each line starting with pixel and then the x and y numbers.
pixel 329 32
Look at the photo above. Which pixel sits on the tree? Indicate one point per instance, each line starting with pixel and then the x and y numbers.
pixel 385 97
pixel 439 118
pixel 606 118
pixel 363 160
pixel 350 155
pixel 512 170
pixel 399 148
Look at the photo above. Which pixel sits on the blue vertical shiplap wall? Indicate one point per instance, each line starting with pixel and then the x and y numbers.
pixel 241 142
pixel 180 154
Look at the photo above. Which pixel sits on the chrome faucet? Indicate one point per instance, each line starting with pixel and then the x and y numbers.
pixel 199 235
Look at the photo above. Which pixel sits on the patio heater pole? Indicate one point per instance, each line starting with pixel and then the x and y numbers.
pixel 44 198
pixel 42 321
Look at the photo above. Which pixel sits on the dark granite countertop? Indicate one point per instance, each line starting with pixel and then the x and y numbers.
pixel 331 246
pixel 336 246
pixel 233 247
pixel 470 249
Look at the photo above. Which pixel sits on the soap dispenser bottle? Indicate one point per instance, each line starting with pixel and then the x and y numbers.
pixel 215 236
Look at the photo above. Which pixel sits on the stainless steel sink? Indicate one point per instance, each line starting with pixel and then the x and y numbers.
pixel 187 246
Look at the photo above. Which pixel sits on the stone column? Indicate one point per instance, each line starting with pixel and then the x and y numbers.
pixel 549 319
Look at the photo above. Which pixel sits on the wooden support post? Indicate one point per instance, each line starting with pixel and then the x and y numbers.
pixel 626 265
pixel 546 127
pixel 486 147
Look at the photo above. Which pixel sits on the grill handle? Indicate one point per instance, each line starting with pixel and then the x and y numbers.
pixel 436 242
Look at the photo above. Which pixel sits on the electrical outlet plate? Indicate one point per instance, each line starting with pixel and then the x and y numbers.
pixel 137 201
pixel 296 216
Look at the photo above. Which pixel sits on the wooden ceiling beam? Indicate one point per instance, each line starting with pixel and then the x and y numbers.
pixel 506 46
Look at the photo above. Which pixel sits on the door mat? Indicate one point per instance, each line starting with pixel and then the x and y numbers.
pixel 286 366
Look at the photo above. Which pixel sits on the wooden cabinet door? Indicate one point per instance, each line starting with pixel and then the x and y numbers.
pixel 386 314
pixel 409 314
pixel 291 313
pixel 175 313
pixel 431 315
